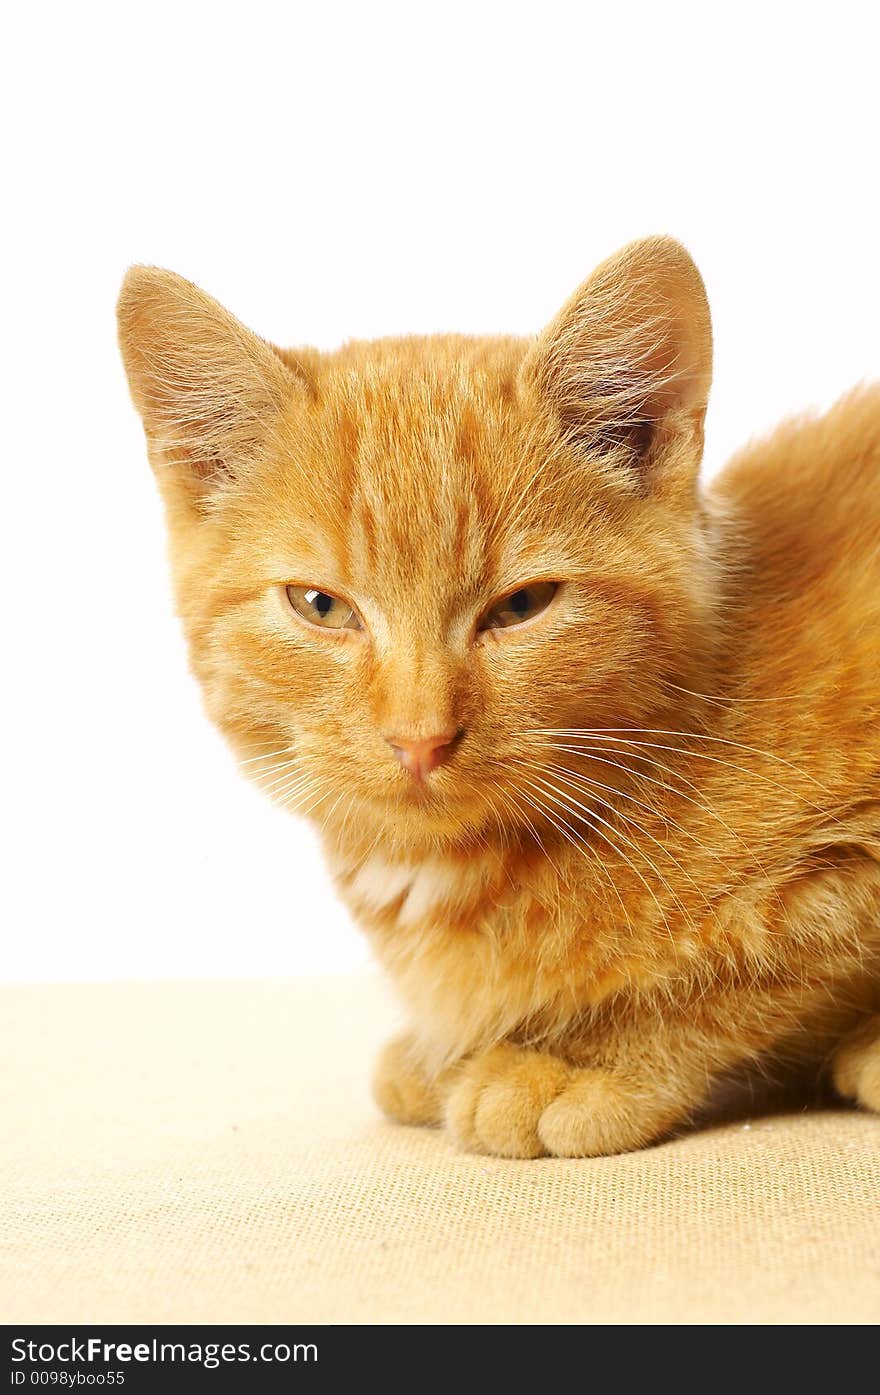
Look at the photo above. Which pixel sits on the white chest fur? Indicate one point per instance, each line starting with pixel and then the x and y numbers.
pixel 423 890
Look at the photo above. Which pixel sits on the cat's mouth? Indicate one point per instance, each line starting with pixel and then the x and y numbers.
pixel 439 805
pixel 444 805
pixel 426 794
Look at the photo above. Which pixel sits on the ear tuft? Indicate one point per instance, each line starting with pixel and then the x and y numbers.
pixel 209 391
pixel 626 365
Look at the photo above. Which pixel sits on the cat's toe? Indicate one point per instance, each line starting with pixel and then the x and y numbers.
pixel 497 1100
pixel 584 1120
pixel 505 1122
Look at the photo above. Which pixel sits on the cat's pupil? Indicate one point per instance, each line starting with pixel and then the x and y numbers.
pixel 519 602
pixel 322 602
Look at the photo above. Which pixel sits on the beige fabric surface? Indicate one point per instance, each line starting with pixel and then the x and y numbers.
pixel 208 1152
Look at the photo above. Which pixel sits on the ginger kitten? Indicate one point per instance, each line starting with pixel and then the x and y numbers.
pixel 595 751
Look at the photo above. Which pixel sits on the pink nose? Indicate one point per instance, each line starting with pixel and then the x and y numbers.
pixel 424 755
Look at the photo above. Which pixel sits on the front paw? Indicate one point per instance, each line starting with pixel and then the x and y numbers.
pixel 856 1066
pixel 497 1101
pixel 526 1104
pixel 401 1086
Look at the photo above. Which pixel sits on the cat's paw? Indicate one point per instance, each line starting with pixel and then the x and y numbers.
pixel 856 1066
pixel 526 1104
pixel 401 1087
pixel 497 1099
pixel 595 1116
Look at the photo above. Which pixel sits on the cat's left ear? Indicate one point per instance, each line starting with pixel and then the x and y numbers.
pixel 625 367
pixel 210 392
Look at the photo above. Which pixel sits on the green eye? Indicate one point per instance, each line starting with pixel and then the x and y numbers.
pixel 519 605
pixel 323 609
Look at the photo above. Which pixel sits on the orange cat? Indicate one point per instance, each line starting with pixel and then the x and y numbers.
pixel 595 753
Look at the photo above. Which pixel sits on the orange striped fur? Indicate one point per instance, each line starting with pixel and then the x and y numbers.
pixel 652 856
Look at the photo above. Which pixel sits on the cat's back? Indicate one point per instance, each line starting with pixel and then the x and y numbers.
pixel 798 519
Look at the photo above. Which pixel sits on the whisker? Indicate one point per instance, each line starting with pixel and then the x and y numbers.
pixel 567 802
pixel 258 775
pixel 505 833
pixel 267 755
pixel 569 777
pixel 343 824
pixel 621 794
pixel 599 754
pixel 297 805
pixel 723 701
pixel 570 834
pixel 592 814
pixel 290 784
pixel 578 843
pixel 578 781
pixel 702 755
pixel 292 773
pixel 614 733
pixel 543 813
pixel 335 805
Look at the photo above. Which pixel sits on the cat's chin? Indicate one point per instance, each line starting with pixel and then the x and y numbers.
pixel 419 820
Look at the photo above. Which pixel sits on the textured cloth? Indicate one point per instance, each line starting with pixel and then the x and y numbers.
pixel 208 1152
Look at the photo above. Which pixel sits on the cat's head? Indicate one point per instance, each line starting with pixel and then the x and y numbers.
pixel 402 565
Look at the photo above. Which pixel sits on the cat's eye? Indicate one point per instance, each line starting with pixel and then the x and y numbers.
pixel 522 604
pixel 322 608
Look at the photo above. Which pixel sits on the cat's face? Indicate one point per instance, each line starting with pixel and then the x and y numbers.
pixel 401 565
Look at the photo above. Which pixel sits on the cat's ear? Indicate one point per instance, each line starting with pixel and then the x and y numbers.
pixel 210 392
pixel 626 365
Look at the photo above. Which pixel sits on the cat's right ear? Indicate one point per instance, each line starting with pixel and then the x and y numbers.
pixel 210 393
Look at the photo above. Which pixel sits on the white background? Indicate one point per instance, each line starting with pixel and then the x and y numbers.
pixel 330 171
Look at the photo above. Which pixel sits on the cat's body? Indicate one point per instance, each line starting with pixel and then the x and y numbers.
pixel 649 853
